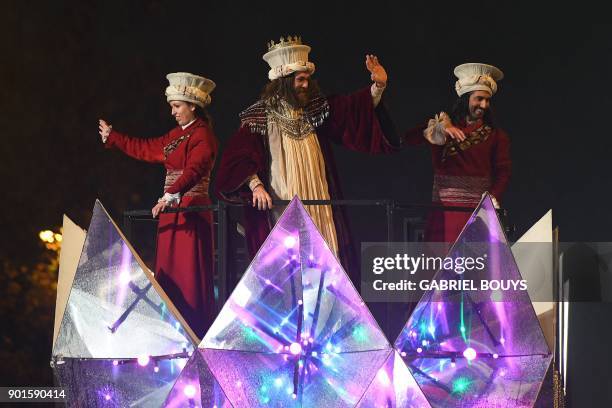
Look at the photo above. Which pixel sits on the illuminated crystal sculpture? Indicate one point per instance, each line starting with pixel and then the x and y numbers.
pixel 295 332
pixel 121 342
pixel 196 387
pixel 394 387
pixel 477 348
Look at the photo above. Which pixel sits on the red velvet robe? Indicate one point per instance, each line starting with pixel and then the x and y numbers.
pixel 352 122
pixel 184 262
pixel 485 166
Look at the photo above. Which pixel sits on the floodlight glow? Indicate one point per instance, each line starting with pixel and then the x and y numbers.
pixel 289 242
pixel 469 354
pixel 143 360
pixel 189 391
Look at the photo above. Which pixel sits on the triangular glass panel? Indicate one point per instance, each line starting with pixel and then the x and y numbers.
pixel 196 387
pixel 294 310
pixel 474 342
pixel 117 322
pixel 394 387
pixel 115 308
pixel 295 287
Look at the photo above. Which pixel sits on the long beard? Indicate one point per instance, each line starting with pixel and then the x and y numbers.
pixel 300 98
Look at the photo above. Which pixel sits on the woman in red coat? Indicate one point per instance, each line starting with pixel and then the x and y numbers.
pixel 184 262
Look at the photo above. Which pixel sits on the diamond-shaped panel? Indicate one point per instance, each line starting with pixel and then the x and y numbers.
pixel 295 332
pixel 468 346
pixel 120 338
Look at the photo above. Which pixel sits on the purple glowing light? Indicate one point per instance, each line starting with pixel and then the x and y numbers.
pixel 189 391
pixel 457 333
pixel 124 278
pixel 115 363
pixel 294 322
pixel 107 397
pixel 469 354
pixel 295 348
pixel 289 242
pixel 383 378
pixel 143 360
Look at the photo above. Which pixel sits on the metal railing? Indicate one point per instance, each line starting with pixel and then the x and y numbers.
pixel 228 278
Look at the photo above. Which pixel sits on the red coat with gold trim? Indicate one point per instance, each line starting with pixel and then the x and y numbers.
pixel 462 172
pixel 184 262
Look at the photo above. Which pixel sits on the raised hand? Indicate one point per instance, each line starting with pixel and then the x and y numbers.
pixel 378 73
pixel 105 129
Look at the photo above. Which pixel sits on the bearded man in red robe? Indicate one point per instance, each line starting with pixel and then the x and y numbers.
pixel 470 154
pixel 283 147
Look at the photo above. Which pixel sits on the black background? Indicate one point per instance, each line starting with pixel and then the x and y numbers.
pixel 66 64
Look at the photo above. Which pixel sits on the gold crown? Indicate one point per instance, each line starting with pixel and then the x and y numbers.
pixel 295 40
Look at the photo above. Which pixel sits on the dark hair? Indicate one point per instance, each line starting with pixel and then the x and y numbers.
pixel 284 88
pixel 203 114
pixel 461 110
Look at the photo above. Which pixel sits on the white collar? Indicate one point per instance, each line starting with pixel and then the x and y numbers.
pixel 187 125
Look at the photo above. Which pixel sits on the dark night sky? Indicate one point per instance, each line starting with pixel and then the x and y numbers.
pixel 64 65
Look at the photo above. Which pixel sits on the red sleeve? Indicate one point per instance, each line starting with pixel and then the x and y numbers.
pixel 201 153
pixel 357 125
pixel 244 156
pixel 502 165
pixel 149 150
pixel 414 136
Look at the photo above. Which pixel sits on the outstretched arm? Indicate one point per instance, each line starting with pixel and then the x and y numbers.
pixel 149 150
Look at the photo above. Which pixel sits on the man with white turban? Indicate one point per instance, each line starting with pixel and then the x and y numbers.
pixel 470 154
